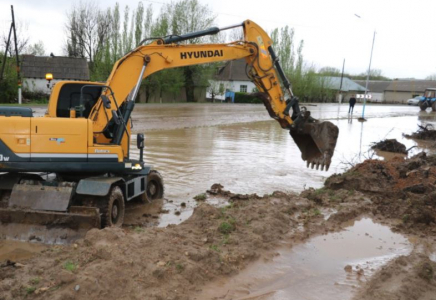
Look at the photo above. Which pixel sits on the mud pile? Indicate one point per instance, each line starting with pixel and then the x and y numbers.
pixel 390 145
pixel 423 133
pixel 402 190
pixel 407 277
pixel 159 263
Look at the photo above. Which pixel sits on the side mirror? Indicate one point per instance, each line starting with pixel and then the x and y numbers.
pixel 106 101
pixel 140 140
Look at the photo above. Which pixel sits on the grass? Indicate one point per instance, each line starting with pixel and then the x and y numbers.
pixel 35 281
pixel 180 267
pixel 215 248
pixel 225 240
pixel 226 228
pixel 138 229
pixel 320 191
pixel 70 266
pixel 30 290
pixel 316 212
pixel 200 197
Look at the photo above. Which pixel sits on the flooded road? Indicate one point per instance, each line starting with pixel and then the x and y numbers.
pixel 327 267
pixel 195 146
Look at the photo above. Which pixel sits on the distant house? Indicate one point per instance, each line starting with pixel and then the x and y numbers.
pixel 376 88
pixel 348 87
pixel 399 91
pixel 232 77
pixel 34 68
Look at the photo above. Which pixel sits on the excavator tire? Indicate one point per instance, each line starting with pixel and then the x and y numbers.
pixel 112 208
pixel 155 187
pixel 423 105
pixel 433 106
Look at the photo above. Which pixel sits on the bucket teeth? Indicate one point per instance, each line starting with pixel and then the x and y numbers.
pixel 323 162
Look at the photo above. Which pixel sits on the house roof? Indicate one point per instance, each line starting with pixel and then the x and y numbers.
pixel 411 85
pixel 334 83
pixel 375 86
pixel 61 67
pixel 233 70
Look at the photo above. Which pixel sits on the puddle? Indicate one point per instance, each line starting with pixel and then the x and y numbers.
pixel 315 270
pixel 18 251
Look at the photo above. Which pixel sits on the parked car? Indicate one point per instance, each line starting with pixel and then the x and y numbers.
pixel 414 101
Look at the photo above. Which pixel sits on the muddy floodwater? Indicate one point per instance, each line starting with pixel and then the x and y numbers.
pixel 239 146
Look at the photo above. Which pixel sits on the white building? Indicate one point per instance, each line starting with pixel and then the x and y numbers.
pixel 376 88
pixel 230 77
pixel 34 68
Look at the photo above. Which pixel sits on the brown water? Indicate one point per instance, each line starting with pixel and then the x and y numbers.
pixel 315 270
pixel 195 146
pixel 18 251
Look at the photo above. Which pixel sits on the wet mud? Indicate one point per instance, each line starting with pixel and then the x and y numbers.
pixel 390 145
pixel 329 266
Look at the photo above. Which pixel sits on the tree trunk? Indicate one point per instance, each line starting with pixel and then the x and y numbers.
pixel 189 84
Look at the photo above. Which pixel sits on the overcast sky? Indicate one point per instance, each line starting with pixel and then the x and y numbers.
pixel 405 46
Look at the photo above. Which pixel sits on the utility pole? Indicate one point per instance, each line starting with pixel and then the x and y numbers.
pixel 16 55
pixel 367 79
pixel 340 87
pixel 12 29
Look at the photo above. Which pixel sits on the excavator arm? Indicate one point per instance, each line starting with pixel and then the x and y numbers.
pixel 315 140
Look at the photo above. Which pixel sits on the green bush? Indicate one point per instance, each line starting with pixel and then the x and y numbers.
pixel 246 98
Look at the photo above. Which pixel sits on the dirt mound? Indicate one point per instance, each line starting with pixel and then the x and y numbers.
pixel 423 133
pixel 407 277
pixel 404 190
pixel 159 263
pixel 370 176
pixel 390 145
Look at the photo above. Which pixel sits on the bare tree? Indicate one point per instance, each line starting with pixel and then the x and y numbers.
pixel 431 77
pixel 88 27
pixel 22 38
pixel 35 49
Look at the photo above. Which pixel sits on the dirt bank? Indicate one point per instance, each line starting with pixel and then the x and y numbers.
pixel 161 263
pixel 139 262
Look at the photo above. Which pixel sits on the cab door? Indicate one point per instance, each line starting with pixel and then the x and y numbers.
pixel 59 139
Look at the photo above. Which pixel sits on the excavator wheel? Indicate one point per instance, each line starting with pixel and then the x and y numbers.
pixel 423 105
pixel 112 208
pixel 155 187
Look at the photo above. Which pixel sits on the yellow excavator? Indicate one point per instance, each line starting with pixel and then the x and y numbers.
pixel 72 167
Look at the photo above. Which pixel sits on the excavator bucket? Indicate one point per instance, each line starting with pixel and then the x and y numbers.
pixel 317 142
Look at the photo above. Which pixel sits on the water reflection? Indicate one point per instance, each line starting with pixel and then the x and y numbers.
pixel 315 270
